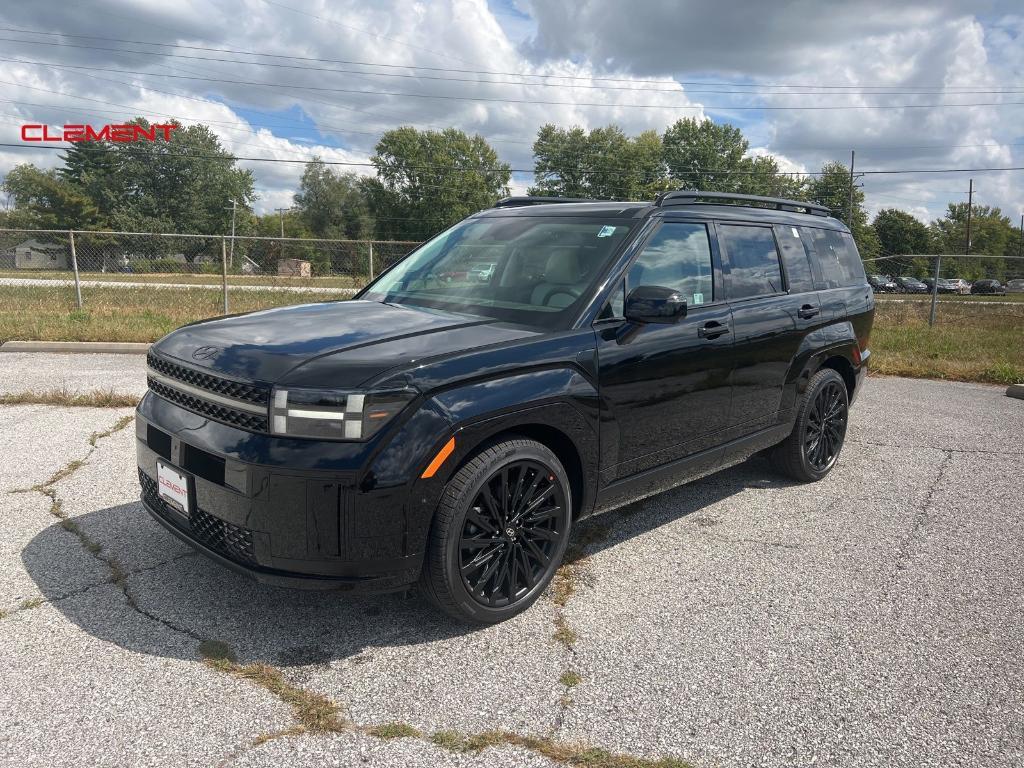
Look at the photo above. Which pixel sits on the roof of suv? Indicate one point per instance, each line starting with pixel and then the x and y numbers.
pixel 782 212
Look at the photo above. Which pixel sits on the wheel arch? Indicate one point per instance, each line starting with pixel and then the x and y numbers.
pixel 552 438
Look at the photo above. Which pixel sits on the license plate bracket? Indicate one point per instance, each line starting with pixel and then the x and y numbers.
pixel 175 488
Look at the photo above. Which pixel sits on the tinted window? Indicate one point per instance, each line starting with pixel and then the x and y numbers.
pixel 533 270
pixel 678 257
pixel 753 261
pixel 837 257
pixel 795 258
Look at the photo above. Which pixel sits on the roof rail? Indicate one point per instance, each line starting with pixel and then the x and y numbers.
pixel 515 202
pixel 692 196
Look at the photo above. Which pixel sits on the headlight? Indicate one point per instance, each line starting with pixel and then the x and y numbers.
pixel 329 414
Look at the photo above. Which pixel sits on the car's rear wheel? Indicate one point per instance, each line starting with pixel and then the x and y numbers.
pixel 500 532
pixel 812 448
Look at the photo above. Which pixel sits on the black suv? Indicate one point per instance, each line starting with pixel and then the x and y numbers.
pixel 450 429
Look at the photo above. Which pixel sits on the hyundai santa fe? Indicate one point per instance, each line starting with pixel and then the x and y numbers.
pixel 449 429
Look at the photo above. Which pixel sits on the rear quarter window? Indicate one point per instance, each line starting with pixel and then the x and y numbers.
pixel 836 255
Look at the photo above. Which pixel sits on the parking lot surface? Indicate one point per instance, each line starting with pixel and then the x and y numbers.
pixel 872 619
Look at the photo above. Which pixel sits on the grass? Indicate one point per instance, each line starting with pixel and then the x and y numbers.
pixel 967 343
pixel 946 297
pixel 103 398
pixel 123 314
pixel 317 714
pixel 570 679
pixel 215 279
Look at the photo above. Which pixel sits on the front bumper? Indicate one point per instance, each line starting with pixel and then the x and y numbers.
pixel 283 512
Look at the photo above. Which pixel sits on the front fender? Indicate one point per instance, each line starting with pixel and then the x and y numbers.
pixel 552 401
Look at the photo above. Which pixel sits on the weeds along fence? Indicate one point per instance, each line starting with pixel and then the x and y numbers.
pixel 208 275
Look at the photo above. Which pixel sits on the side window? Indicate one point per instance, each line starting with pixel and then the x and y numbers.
pixel 753 261
pixel 678 257
pixel 850 259
pixel 837 257
pixel 796 259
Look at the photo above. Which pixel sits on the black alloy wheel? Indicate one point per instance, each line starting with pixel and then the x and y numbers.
pixel 826 426
pixel 500 532
pixel 511 533
pixel 811 450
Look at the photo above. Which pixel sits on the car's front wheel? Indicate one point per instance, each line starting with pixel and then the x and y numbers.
pixel 812 448
pixel 500 532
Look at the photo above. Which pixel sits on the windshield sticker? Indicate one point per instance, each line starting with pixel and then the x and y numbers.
pixel 606 232
pixel 795 233
pixel 698 298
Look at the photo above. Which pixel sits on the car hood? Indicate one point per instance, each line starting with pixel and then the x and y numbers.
pixel 340 344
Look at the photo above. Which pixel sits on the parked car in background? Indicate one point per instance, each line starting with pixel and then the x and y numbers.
pixel 961 286
pixel 991 287
pixel 482 272
pixel 908 284
pixel 882 284
pixel 948 285
pixel 1014 286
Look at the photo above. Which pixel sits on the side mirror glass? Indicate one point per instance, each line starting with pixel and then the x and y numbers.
pixel 654 304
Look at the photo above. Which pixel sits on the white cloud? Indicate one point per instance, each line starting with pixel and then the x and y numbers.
pixel 905 46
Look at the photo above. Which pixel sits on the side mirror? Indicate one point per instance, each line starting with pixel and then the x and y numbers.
pixel 654 304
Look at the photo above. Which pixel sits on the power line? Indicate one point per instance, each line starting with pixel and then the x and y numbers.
pixel 733 84
pixel 803 90
pixel 535 102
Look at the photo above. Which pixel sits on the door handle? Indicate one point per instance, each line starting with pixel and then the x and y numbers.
pixel 712 329
pixel 807 311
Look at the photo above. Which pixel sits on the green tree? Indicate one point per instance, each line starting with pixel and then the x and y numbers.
pixel 182 185
pixel 603 164
pixel 992 233
pixel 900 233
pixel 428 180
pixel 832 188
pixel 333 205
pixel 93 168
pixel 703 154
pixel 46 201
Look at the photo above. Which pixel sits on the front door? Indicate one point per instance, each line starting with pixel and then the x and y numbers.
pixel 665 389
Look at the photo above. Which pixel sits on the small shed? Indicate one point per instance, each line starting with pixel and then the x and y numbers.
pixel 33 254
pixel 294 268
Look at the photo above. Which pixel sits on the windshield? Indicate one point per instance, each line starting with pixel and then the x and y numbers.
pixel 531 270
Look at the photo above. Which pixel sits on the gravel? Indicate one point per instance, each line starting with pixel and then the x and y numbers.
pixel 871 619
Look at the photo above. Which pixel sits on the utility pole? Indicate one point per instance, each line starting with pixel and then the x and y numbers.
pixel 281 213
pixel 849 208
pixel 970 206
pixel 1020 244
pixel 231 255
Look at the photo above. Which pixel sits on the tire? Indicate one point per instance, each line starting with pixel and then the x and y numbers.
pixel 810 452
pixel 520 551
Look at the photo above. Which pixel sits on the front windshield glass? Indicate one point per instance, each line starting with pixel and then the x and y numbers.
pixel 531 270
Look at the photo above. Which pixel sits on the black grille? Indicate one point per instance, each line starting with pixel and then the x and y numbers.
pixel 227 539
pixel 253 422
pixel 257 394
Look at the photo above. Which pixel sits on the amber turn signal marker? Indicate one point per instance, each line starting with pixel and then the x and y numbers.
pixel 443 454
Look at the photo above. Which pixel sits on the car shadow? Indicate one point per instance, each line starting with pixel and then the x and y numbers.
pixel 198 599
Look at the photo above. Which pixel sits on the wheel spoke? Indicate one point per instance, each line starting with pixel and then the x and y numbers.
pixel 511 533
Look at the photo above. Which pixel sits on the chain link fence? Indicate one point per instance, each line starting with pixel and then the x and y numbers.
pixel 195 275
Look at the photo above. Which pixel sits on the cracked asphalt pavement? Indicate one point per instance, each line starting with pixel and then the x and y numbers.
pixel 872 619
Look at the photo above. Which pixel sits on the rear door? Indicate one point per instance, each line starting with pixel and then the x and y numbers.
pixel 768 319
